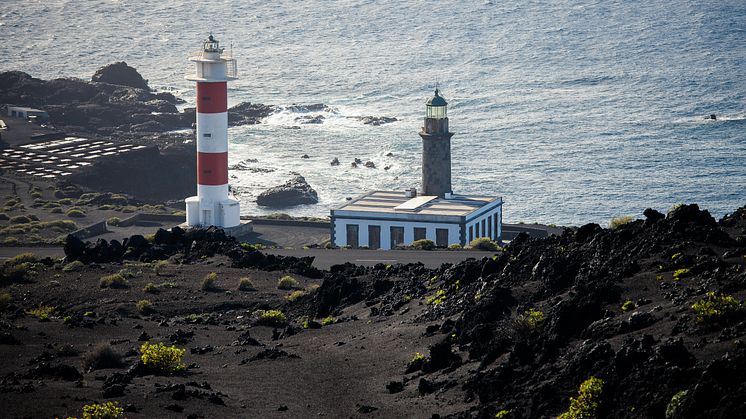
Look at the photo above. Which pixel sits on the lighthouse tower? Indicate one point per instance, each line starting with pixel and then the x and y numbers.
pixel 214 205
pixel 436 148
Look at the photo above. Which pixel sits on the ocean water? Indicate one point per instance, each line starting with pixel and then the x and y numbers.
pixel 572 111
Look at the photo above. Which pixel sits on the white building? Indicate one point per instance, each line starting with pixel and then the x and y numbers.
pixel 385 219
pixel 27 113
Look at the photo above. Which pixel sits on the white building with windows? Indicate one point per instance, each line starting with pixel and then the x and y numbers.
pixel 385 219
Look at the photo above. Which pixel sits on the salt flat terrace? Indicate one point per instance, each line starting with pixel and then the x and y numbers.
pixel 61 157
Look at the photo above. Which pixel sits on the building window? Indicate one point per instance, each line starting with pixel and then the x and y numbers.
pixel 397 236
pixel 476 230
pixel 471 233
pixel 496 225
pixel 420 233
pixel 485 233
pixel 441 237
pixel 206 98
pixel 352 235
pixel 374 237
pixel 489 227
pixel 207 135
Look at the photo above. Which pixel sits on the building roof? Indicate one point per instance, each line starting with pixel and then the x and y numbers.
pixel 436 100
pixel 393 203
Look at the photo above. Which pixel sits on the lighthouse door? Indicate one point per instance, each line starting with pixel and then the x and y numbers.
pixel 206 218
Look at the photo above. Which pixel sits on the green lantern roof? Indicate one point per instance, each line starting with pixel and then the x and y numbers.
pixel 436 100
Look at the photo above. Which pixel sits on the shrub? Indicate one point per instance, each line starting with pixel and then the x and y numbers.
pixel 10 241
pixel 245 284
pixel 274 318
pixel 113 281
pixel 503 414
pixel 680 274
pixel 102 356
pixel 108 410
pixel 75 213
pixel 129 273
pixel 113 221
pixel 673 409
pixel 150 287
pixel 529 320
pixel 20 258
pixel 20 219
pixel 586 404
pixel 160 267
pixel 617 222
pixel 715 306
pixel 627 306
pixel 144 306
pixel 295 295
pixel 42 312
pixel 326 321
pixel 208 282
pixel 423 244
pixel 162 358
pixel 74 266
pixel 484 243
pixel 287 282
pixel 416 363
pixel 5 300
pixel 56 211
pixel 437 299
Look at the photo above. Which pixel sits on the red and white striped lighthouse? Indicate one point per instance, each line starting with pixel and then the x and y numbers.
pixel 214 205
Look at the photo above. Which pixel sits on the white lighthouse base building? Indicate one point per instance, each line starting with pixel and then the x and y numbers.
pixel 204 212
pixel 385 219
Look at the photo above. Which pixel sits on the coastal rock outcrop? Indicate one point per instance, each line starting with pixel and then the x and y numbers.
pixel 295 191
pixel 121 74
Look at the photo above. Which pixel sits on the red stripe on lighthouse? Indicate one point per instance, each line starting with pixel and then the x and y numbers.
pixel 212 168
pixel 212 97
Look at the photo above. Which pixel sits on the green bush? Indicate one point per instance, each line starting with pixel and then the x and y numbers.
pixel 20 258
pixel 42 312
pixel 484 243
pixel 10 241
pixel 715 307
pixel 455 246
pixel 586 405
pixel 5 300
pixel 528 320
pixel 274 318
pixel 113 221
pixel 627 306
pixel 245 284
pixel 108 410
pixel 102 356
pixel 161 267
pixel 674 407
pixel 162 358
pixel 150 288
pixel 20 219
pixel 144 306
pixel 295 295
pixel 287 282
pixel 416 363
pixel 74 266
pixel 56 211
pixel 680 274
pixel 617 222
pixel 503 414
pixel 326 321
pixel 208 282
pixel 423 244
pixel 113 281
pixel 75 213
pixel 436 299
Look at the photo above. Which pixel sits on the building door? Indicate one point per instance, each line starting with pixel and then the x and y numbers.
pixel 420 233
pixel 352 235
pixel 374 237
pixel 397 236
pixel 206 217
pixel 441 237
pixel 489 228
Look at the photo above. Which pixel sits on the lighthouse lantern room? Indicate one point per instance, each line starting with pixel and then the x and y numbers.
pixel 214 204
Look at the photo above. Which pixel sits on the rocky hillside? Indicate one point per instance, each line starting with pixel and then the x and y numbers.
pixel 643 321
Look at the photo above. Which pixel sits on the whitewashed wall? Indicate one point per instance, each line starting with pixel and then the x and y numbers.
pixel 340 231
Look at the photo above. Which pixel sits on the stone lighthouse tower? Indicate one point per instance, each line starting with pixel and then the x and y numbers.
pixel 436 148
pixel 214 205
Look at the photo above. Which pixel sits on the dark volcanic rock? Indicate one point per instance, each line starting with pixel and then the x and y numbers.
pixel 122 74
pixel 375 120
pixel 295 191
pixel 247 113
